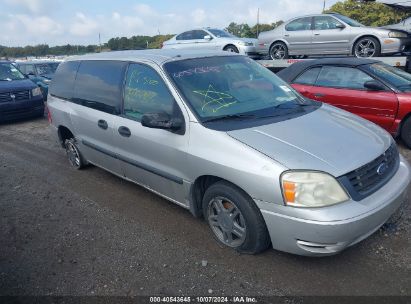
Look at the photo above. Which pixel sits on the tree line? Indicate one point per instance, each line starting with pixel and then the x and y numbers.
pixel 367 13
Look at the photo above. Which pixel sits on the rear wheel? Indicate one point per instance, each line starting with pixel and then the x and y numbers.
pixel 75 158
pixel 367 47
pixel 278 50
pixel 234 219
pixel 406 132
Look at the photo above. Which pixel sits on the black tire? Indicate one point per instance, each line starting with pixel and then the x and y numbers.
pixel 231 48
pixel 406 132
pixel 278 50
pixel 241 210
pixel 367 47
pixel 74 155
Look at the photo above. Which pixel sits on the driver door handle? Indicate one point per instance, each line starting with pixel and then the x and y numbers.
pixel 124 131
pixel 102 124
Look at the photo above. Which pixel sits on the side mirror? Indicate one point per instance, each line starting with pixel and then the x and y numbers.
pixel 161 121
pixel 207 37
pixel 340 26
pixel 374 85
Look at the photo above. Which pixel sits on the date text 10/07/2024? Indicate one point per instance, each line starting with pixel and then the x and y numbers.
pixel 236 299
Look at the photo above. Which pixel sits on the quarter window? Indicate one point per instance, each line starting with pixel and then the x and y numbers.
pixel 63 80
pixel 342 77
pixel 301 24
pixel 308 77
pixel 146 92
pixel 326 23
pixel 98 85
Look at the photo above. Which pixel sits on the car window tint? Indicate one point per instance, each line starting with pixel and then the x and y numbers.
pixel 342 77
pixel 99 85
pixel 182 36
pixel 146 92
pixel 308 77
pixel 30 69
pixel 301 24
pixel 63 80
pixel 190 35
pixel 22 68
pixel 325 23
pixel 198 34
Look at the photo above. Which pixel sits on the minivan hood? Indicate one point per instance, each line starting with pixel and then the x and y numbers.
pixel 328 139
pixel 16 85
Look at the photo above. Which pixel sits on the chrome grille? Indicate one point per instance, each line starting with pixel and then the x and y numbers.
pixel 367 179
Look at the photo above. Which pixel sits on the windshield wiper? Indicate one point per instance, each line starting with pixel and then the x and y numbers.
pixel 229 117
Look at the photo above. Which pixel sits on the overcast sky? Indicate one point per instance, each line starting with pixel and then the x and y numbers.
pixel 57 22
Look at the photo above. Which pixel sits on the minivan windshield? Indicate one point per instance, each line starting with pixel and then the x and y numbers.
pixel 394 76
pixel 46 68
pixel 9 72
pixel 232 87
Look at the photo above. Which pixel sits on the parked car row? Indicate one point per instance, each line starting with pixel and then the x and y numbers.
pixel 321 34
pixel 225 138
pixel 24 88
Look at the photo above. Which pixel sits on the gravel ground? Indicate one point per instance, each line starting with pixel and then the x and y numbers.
pixel 67 232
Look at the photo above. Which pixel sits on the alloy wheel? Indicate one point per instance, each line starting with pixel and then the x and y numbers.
pixel 365 48
pixel 227 222
pixel 73 154
pixel 278 51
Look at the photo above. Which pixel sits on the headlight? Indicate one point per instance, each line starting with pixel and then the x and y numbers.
pixel 311 189
pixel 244 43
pixel 46 81
pixel 397 35
pixel 36 92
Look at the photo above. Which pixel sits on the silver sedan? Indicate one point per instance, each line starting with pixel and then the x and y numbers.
pixel 330 34
pixel 212 39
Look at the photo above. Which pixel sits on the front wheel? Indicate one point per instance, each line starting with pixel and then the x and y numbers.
pixel 367 47
pixel 406 132
pixel 234 219
pixel 278 51
pixel 231 48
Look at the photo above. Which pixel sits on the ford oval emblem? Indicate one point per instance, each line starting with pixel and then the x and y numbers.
pixel 12 96
pixel 382 169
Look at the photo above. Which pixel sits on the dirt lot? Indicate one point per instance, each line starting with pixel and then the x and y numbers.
pixel 67 232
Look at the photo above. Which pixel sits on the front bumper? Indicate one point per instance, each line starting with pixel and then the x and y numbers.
pixel 395 45
pixel 329 230
pixel 248 51
pixel 22 109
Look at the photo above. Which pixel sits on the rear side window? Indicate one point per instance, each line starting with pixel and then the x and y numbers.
pixel 342 77
pixel 308 77
pixel 301 24
pixel 98 85
pixel 63 80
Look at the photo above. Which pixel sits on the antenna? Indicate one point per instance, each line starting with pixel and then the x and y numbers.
pixel 258 19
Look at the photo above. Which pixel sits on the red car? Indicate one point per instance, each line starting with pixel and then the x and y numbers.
pixel 368 88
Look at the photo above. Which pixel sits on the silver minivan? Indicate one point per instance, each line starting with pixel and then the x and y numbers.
pixel 223 137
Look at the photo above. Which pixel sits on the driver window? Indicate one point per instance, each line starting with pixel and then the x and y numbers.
pixel 325 23
pixel 146 92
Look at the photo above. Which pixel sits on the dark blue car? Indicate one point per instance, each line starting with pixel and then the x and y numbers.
pixel 19 96
pixel 40 72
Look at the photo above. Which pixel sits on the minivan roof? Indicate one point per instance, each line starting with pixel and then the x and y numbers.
pixel 158 56
pixel 36 62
